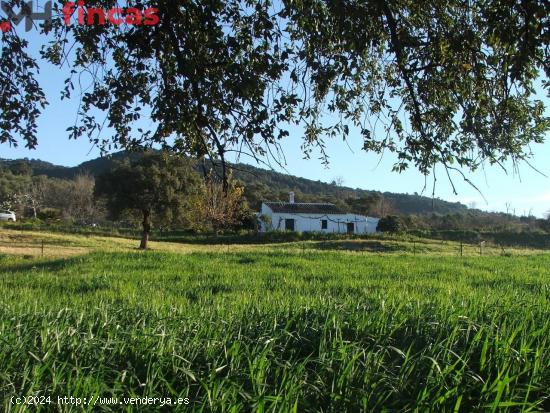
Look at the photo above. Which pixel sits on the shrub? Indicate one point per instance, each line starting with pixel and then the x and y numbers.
pixel 49 214
pixel 390 223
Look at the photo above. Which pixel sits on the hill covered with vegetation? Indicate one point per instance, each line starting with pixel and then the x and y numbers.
pixel 44 190
pixel 262 184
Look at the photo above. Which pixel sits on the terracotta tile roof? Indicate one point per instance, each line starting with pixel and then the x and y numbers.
pixel 304 208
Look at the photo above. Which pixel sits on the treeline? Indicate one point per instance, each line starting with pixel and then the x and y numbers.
pixel 52 199
pixel 169 188
pixel 261 184
pixel 39 190
pixel 527 239
pixel 476 221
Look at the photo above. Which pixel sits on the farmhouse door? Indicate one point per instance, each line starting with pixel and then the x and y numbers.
pixel 351 227
pixel 289 224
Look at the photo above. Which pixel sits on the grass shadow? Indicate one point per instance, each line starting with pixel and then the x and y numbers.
pixel 49 265
pixel 361 246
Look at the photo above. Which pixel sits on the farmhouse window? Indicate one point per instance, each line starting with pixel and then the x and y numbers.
pixel 324 224
pixel 289 224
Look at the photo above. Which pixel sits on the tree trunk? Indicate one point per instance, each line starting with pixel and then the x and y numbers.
pixel 146 229
pixel 33 207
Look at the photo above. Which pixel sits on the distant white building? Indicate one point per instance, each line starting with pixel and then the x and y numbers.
pixel 313 217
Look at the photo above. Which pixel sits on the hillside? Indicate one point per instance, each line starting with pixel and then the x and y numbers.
pixel 262 184
pixel 260 180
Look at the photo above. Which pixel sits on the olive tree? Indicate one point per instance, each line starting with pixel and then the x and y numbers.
pixel 159 187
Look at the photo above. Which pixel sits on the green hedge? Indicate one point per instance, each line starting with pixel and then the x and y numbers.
pixel 540 240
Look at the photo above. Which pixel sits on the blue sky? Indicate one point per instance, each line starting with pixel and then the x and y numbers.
pixel 527 192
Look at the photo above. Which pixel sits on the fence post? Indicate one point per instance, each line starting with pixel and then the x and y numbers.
pixel 414 247
pixel 42 248
pixel 461 249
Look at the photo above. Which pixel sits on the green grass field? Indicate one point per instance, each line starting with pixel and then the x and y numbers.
pixel 270 329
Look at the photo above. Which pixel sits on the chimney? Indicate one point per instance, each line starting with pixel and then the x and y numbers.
pixel 291 197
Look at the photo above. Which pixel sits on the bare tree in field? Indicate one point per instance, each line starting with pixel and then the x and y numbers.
pixel 219 209
pixel 81 204
pixel 32 197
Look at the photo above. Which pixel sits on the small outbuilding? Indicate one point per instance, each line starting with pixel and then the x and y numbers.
pixel 312 217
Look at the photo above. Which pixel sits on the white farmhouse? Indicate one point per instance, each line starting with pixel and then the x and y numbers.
pixel 309 217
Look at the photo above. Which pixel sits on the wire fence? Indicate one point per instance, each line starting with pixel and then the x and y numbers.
pixel 25 242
